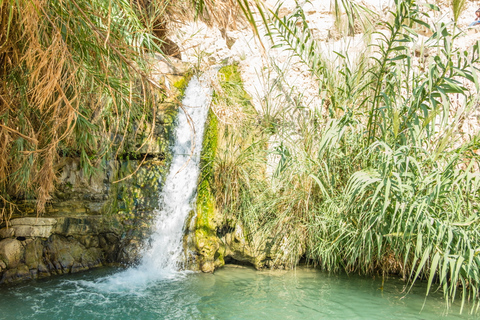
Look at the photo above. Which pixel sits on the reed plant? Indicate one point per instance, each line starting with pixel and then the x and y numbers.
pixel 74 78
pixel 458 7
pixel 378 178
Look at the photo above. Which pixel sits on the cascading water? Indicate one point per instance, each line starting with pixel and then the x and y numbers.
pixel 166 252
pixel 164 255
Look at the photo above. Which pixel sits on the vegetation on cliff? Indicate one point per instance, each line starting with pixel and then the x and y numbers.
pixel 379 178
pixel 75 81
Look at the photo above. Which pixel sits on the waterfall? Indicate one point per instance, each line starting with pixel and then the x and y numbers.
pixel 163 256
pixel 166 252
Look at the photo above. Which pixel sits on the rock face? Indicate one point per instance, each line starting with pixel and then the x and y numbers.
pixel 91 222
pixel 229 243
pixel 53 251
pixel 213 239
pixel 99 217
pixel 93 219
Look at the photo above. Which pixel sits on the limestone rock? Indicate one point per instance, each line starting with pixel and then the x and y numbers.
pixel 16 274
pixel 473 30
pixel 33 253
pixel 33 231
pixel 43 271
pixel 76 184
pixel 171 66
pixel 11 252
pixel 76 234
pixel 7 233
pixel 60 252
pixel 30 221
pixel 80 225
pixel 239 249
pixel 68 255
pixel 208 267
pixel 29 227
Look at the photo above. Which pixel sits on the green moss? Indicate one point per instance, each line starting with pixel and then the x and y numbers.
pixel 209 246
pixel 230 74
pixel 134 199
pixel 181 83
pixel 206 240
pixel 233 92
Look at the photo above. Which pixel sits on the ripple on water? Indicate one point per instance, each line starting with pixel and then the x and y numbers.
pixel 230 293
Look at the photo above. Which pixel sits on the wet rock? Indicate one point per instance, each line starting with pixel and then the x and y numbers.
pixel 208 266
pixel 78 267
pixel 16 274
pixel 111 238
pixel 89 241
pixel 60 252
pixel 23 273
pixel 92 258
pixel 43 270
pixel 102 241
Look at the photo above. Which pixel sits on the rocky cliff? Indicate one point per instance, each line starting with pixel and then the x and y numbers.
pixel 91 222
pixel 96 217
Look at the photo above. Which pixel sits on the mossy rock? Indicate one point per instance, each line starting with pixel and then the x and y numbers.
pixel 206 240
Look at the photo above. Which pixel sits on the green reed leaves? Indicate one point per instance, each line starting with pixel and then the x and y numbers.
pixel 381 177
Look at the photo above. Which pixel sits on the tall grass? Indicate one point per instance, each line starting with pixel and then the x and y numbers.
pixel 380 177
pixel 458 7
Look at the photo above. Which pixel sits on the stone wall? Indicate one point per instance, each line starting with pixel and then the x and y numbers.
pixel 39 247
pixel 90 222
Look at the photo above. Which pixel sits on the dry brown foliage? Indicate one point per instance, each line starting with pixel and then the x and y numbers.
pixel 63 90
pixel 74 78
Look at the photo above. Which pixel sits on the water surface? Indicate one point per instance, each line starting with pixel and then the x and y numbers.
pixel 230 293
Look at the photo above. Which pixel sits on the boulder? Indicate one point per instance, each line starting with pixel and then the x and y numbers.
pixel 33 253
pixel 29 228
pixel 16 274
pixel 11 252
pixel 33 231
pixel 7 233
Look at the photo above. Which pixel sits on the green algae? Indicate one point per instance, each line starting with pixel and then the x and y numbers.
pixel 206 240
pixel 181 83
pixel 232 92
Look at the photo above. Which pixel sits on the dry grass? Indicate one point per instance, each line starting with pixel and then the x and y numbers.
pixel 63 88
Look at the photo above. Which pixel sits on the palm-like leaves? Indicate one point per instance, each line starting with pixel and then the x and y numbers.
pixel 389 184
